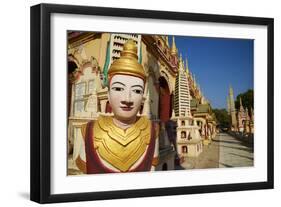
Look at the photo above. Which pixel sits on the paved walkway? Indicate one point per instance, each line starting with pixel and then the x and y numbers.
pixel 224 151
pixel 234 153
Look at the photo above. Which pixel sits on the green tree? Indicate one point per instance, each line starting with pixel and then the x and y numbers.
pixel 247 100
pixel 222 118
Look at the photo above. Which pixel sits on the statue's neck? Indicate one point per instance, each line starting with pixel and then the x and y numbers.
pixel 124 124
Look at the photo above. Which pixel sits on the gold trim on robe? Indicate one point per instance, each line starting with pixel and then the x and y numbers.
pixel 121 148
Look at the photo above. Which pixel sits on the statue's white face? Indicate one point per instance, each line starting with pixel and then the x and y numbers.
pixel 125 96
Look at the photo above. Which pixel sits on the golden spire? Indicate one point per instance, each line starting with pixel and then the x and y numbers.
pixel 167 40
pixel 230 90
pixel 127 64
pixel 241 105
pixel 194 80
pixel 181 64
pixel 174 49
pixel 186 66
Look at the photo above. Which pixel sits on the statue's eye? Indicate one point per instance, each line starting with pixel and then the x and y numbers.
pixel 137 91
pixel 117 89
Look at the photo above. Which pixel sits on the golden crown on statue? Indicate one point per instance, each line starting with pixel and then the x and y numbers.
pixel 127 64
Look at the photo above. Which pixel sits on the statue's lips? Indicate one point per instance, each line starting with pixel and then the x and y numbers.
pixel 126 108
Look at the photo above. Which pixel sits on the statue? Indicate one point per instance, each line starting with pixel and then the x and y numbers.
pixel 123 142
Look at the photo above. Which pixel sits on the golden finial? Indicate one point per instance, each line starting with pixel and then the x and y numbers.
pixel 127 64
pixel 174 50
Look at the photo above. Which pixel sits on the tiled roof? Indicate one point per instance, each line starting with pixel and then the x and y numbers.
pixel 203 108
pixel 194 103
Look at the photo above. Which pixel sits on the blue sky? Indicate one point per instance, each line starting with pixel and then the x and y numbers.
pixel 218 63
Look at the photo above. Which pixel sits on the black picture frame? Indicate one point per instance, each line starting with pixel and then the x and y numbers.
pixel 41 102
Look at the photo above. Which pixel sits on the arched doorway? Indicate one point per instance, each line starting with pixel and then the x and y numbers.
pixel 165 101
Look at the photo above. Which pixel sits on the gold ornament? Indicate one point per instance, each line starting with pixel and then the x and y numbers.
pixel 127 64
pixel 121 148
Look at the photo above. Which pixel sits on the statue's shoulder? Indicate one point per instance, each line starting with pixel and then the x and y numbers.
pixel 145 119
pixel 103 122
pixel 152 124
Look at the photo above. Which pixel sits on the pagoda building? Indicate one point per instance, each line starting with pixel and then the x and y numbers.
pixel 246 122
pixel 189 142
pixel 243 118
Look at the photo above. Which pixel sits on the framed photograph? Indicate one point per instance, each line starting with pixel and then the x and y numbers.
pixel 132 103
